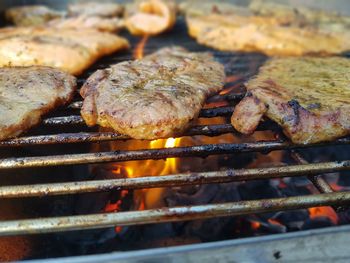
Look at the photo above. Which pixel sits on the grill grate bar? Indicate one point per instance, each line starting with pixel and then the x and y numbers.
pixel 78 120
pixel 317 180
pixel 176 180
pixel 155 154
pixel 94 221
pixel 220 97
pixel 81 137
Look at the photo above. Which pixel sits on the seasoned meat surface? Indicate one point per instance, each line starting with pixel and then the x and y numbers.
pixel 301 16
pixel 68 49
pixel 150 17
pixel 253 110
pixel 308 97
pixel 155 97
pixel 31 15
pixel 271 33
pixel 106 24
pixel 27 93
pixel 95 9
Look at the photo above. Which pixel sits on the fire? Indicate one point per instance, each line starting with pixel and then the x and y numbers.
pixel 324 211
pixel 255 225
pixel 139 50
pixel 336 187
pixel 274 222
pixel 152 197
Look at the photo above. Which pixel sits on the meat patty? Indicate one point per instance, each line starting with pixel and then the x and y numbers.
pixel 301 16
pixel 95 9
pixel 106 24
pixel 155 97
pixel 31 15
pixel 67 49
pixel 27 93
pixel 308 97
pixel 273 35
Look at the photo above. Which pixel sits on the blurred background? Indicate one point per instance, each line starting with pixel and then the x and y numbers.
pixel 342 6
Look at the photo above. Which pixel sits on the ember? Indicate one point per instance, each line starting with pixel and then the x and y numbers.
pixel 323 211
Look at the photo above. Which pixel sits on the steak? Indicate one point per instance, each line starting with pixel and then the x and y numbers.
pixel 270 33
pixel 155 97
pixel 68 49
pixel 27 93
pixel 308 97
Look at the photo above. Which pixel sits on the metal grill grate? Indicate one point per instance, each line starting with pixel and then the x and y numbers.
pixel 235 63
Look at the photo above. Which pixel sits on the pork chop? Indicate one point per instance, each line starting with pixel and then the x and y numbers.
pixel 105 24
pixel 308 97
pixel 155 97
pixel 95 9
pixel 31 15
pixel 68 49
pixel 272 34
pixel 27 93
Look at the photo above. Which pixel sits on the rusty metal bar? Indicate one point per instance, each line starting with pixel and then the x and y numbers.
pixel 206 130
pixel 77 119
pixel 155 154
pixel 317 180
pixel 174 214
pixel 170 180
pixel 65 120
pixel 81 137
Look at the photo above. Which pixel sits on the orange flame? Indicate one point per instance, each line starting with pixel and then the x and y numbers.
pixel 255 225
pixel 139 50
pixel 324 211
pixel 274 222
pixel 336 187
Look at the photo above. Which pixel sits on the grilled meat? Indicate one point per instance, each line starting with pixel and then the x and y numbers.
pixel 27 93
pixel 150 17
pixel 31 15
pixel 67 49
pixel 208 7
pixel 301 16
pixel 155 97
pixel 109 24
pixel 272 34
pixel 308 97
pixel 95 9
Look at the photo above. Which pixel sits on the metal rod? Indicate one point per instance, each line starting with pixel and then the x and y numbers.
pixel 77 119
pixel 81 137
pixel 170 180
pixel 206 130
pixel 317 180
pixel 94 221
pixel 155 154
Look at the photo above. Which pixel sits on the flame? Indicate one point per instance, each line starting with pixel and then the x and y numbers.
pixel 324 211
pixel 255 225
pixel 336 187
pixel 274 222
pixel 139 50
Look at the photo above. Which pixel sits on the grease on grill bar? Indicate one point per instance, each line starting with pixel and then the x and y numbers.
pixel 173 214
pixel 174 180
pixel 154 154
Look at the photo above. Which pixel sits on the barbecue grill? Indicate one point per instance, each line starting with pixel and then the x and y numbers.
pixel 240 65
